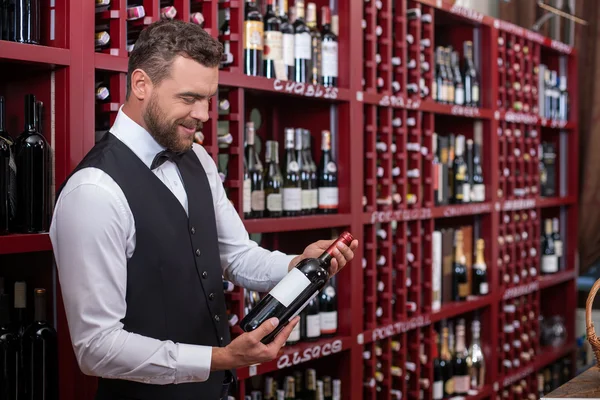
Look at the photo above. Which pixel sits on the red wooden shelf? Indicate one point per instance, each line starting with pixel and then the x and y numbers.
pixel 266 85
pixel 552 123
pixel 547 281
pixel 300 353
pixel 461 209
pixel 394 328
pixel 34 54
pixel 290 224
pixel 414 214
pixel 110 63
pixel 25 243
pixel 545 202
pixel 542 202
pixel 484 393
pixel 451 310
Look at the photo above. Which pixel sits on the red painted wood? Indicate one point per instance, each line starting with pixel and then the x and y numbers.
pixel 19 243
pixel 29 53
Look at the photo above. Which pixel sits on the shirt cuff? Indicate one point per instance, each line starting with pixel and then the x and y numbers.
pixel 280 269
pixel 193 363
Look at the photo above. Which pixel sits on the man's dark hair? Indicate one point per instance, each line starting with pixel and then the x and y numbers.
pixel 163 40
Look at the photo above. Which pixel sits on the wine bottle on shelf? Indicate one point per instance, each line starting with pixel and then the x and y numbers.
pixel 438 379
pixel 288 32
pixel 315 46
pixel 558 243
pixel 273 46
pixel 329 50
pixel 549 259
pixel 472 95
pixel 478 187
pixel 292 189
pixel 253 39
pixel 274 181
pixel 293 292
pixel 328 185
pixel 33 186
pixel 440 89
pixel 40 353
pixel 296 334
pixel 476 358
pixel 305 173
pixel 311 321
pixel 460 369
pixel 459 88
pixel 8 175
pixel 26 21
pixel 302 45
pixel 462 189
pixel 225 30
pixel 102 93
pixel 311 390
pixel 480 280
pixel 446 364
pixel 450 76
pixel 328 311
pixel 459 276
pixel 9 350
pixel 290 388
pixel 255 174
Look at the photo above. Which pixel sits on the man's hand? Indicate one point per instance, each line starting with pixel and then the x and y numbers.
pixel 247 348
pixel 342 255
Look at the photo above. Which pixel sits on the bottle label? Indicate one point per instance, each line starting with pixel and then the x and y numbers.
pixel 463 289
pixel 273 49
pixel 329 59
pixel 459 96
pixel 258 200
pixel 475 93
pixel 328 322
pixel 328 197
pixel 449 387
pixel 331 167
pixel 302 46
pixel 307 199
pixel 483 288
pixel 438 390
pixel 461 384
pixel 247 205
pixel 558 248
pixel 253 35
pixel 274 202
pixel 313 325
pixel 290 287
pixel 549 264
pixel 288 50
pixel 293 166
pixel 466 193
pixel 295 335
pixel 314 199
pixel 478 192
pixel 292 199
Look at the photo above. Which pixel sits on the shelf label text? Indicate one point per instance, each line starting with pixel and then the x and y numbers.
pixel 465 111
pixel 400 215
pixel 523 204
pixel 467 13
pixel 560 46
pixel 400 327
pixel 513 292
pixel 304 89
pixel 521 118
pixel 310 353
pixel 472 209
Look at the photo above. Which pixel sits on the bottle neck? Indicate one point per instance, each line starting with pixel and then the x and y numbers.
pixel 30 114
pixel 327 255
pixel 40 307
pixel 2 115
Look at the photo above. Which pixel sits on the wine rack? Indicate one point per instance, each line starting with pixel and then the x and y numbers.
pixel 385 120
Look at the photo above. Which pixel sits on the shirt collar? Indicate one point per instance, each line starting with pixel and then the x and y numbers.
pixel 136 138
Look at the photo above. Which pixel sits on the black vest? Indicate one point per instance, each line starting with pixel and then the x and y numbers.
pixel 174 283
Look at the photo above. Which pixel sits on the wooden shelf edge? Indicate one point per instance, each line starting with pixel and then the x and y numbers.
pixel 107 62
pixel 484 393
pixel 290 224
pixel 547 281
pixel 393 329
pixel 427 213
pixel 530 203
pixel 34 54
pixel 300 353
pixel 289 88
pixel 455 309
pixel 25 243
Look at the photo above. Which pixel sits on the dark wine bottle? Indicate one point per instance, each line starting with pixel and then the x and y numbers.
pixel 9 350
pixel 438 379
pixel 305 173
pixel 8 176
pixel 292 189
pixel 314 181
pixel 328 311
pixel 446 364
pixel 18 327
pixel 460 173
pixel 40 354
pixel 460 367
pixel 329 50
pixel 253 40
pixel 315 44
pixel 288 32
pixel 472 95
pixel 311 321
pixel 460 286
pixel 293 293
pixel 327 173
pixel 27 21
pixel 33 186
pixel 302 45
pixel 255 174
pixel 273 46
pixel 273 181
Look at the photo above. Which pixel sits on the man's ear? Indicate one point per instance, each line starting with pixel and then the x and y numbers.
pixel 140 84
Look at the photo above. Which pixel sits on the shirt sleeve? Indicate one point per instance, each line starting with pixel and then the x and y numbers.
pixel 89 234
pixel 243 261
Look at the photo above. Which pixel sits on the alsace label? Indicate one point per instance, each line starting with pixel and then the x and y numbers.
pixel 310 353
pixel 518 291
pixel 305 89
pixel 400 327
pixel 290 287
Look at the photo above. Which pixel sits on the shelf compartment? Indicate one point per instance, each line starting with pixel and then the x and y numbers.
pixel 34 54
pixel 110 63
pixel 25 243
pixel 290 224
pixel 454 309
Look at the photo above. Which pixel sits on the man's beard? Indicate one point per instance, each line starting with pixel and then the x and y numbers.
pixel 162 131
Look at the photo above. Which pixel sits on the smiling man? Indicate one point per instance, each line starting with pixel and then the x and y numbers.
pixel 143 232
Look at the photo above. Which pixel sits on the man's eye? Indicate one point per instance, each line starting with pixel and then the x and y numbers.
pixel 189 100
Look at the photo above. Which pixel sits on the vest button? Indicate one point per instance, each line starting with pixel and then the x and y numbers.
pixel 193 230
pixel 217 318
pixel 221 339
pixel 211 296
pixel 198 253
pixel 205 274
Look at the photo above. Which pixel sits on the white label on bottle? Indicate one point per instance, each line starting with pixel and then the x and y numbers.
pixel 329 59
pixel 483 288
pixel 306 199
pixel 438 390
pixel 314 199
pixel 466 193
pixel 328 322
pixel 290 287
pixel 328 197
pixel 274 202
pixel 247 205
pixel 478 192
pixel 258 200
pixel 313 326
pixel 558 248
pixel 461 384
pixel 331 167
pixel 288 50
pixel 295 335
pixel 292 199
pixel 459 96
pixel 273 48
pixel 549 264
pixel 302 46
pixel 475 93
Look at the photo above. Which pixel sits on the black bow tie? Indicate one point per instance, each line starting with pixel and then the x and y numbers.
pixel 166 155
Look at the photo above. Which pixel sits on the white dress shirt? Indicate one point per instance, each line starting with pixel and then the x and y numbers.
pixel 93 236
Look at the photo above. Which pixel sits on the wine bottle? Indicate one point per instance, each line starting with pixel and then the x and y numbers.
pixel 33 187
pixel 40 354
pixel 9 350
pixel 274 181
pixel 315 44
pixel 440 89
pixel 328 186
pixel 292 294
pixel 311 321
pixel 459 88
pixel 446 364
pixel 304 167
pixel 476 359
pixel 273 46
pixel 480 281
pixel 290 388
pixel 225 30
pixel 296 334
pixel 310 392
pixel 460 368
pixel 253 39
pixel 328 311
pixel 255 174
pixel 478 188
pixel 287 29
pixel 462 189
pixel 472 96
pixel 314 192
pixel 549 260
pixel 8 176
pixel 19 326
pixel 327 388
pixel 302 45
pixel 299 383
pixel 438 381
pixel 459 276
pixel 450 76
pixel 329 50
pixel 292 189
pixel 27 21
pixel 558 243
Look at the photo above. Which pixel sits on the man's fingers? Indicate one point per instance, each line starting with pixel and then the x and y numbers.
pixel 265 328
pixel 282 337
pixel 347 253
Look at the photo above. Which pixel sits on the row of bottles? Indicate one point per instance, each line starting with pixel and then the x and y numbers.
pixel 300 385
pixel 20 21
pixel 554 96
pixel 450 84
pixel 287 44
pixel 32 344
pixel 547 169
pixel 302 188
pixel 25 173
